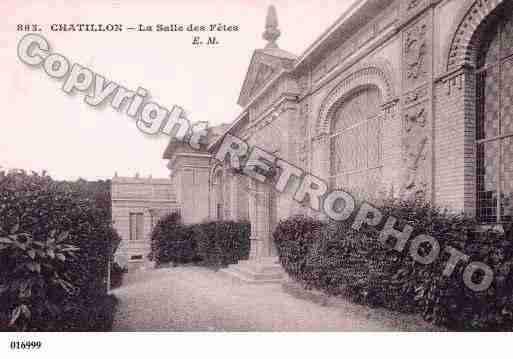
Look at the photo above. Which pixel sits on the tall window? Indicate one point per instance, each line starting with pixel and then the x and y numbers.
pixel 136 226
pixel 356 142
pixel 218 194
pixel 494 145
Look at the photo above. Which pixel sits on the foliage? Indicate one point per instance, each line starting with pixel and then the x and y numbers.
pixel 172 241
pixel 335 258
pixel 215 244
pixel 116 275
pixel 222 243
pixel 56 245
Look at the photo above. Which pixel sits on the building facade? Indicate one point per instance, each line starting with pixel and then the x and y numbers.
pixel 137 205
pixel 402 97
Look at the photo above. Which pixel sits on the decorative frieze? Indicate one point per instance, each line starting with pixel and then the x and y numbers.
pixel 416 96
pixel 413 4
pixel 334 58
pixel 416 53
pixel 412 8
pixel 303 144
pixel 454 82
pixel 416 118
pixel 416 150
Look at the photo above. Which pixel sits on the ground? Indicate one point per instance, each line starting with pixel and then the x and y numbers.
pixel 199 299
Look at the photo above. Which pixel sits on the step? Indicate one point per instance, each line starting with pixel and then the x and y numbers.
pixel 257 271
pixel 258 275
pixel 240 277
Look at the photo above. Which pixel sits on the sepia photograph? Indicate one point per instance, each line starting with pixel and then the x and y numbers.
pixel 236 177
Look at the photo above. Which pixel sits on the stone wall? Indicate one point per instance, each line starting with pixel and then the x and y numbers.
pixel 152 198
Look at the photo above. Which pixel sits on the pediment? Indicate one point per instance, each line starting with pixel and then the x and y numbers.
pixel 264 65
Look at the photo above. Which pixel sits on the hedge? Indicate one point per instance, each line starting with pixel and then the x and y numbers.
pixel 334 258
pixel 55 246
pixel 222 243
pixel 213 244
pixel 172 241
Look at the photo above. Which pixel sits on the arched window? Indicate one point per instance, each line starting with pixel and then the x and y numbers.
pixel 494 126
pixel 356 142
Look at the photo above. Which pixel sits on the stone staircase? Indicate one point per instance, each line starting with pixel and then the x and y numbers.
pixel 257 271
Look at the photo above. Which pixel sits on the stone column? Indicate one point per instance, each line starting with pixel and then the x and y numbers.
pixel 259 217
pixel 321 156
pixel 235 197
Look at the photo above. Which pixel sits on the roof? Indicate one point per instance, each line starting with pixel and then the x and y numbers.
pixel 344 27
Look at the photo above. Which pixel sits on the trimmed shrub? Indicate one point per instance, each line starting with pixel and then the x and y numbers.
pixel 295 238
pixel 116 275
pixel 172 241
pixel 55 248
pixel 214 244
pixel 222 243
pixel 337 259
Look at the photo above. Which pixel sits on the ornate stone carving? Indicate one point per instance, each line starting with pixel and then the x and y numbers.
pixel 351 46
pixel 376 74
pixel 303 149
pixel 304 84
pixel 272 32
pixel 414 182
pixel 412 4
pixel 416 95
pixel 459 50
pixel 415 51
pixel 454 83
pixel 416 151
pixel 418 118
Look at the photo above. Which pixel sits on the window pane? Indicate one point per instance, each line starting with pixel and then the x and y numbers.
pixel 507 97
pixel 133 229
pixel 488 104
pixel 507 180
pixel 356 144
pixel 487 158
pixel 140 225
pixel 490 51
pixel 507 37
pixel 374 143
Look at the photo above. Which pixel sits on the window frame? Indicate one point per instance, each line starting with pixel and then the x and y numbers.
pixel 500 138
pixel 134 237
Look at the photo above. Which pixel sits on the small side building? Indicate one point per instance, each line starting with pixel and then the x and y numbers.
pixel 137 205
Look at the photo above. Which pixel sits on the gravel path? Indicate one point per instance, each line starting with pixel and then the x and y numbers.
pixel 198 299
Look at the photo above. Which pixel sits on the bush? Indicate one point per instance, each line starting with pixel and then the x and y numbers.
pixel 55 248
pixel 172 241
pixel 222 243
pixel 337 259
pixel 116 275
pixel 215 244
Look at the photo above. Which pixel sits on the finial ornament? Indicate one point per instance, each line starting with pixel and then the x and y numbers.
pixel 272 32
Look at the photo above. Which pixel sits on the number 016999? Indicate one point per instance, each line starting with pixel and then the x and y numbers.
pixel 25 345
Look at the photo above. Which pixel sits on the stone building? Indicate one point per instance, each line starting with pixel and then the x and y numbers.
pixel 137 205
pixel 409 97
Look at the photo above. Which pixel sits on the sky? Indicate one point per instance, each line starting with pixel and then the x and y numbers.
pixel 44 128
